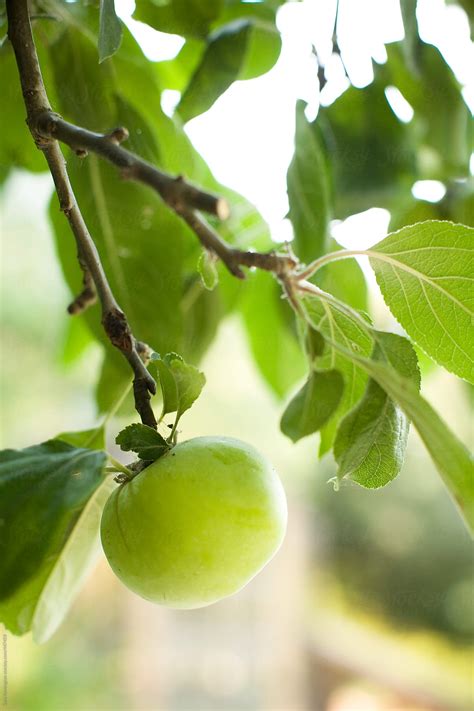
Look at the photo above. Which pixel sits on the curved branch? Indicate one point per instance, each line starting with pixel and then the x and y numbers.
pixel 182 197
pixel 47 128
pixel 37 103
pixel 175 191
pixel 179 195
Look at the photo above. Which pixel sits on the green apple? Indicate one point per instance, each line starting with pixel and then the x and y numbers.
pixel 197 524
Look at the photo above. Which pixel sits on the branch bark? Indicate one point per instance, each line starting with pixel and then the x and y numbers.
pixel 174 190
pixel 182 197
pixel 36 104
pixel 47 128
pixel 88 295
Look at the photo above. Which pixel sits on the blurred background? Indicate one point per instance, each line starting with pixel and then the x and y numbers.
pixel 369 605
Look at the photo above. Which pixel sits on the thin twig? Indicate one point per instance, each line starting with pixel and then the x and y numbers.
pixel 174 190
pixel 309 270
pixel 37 103
pixel 88 295
pixel 182 197
pixel 47 128
pixel 335 41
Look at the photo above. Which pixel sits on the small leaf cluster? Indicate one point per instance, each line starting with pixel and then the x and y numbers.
pixel 363 385
pixel 181 384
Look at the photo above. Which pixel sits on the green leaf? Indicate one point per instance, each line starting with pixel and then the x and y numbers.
pixel 50 502
pixel 72 568
pixel 411 40
pixel 181 383
pixel 449 454
pixel 425 274
pixel 432 84
pixel 263 48
pixel 313 405
pixel 245 228
pixel 313 343
pixel 87 439
pixel 339 328
pixel 175 73
pixel 371 440
pixel 135 233
pixel 208 271
pixel 189 383
pixel 344 279
pixel 202 311
pixel 182 17
pixel 369 150
pixel 238 9
pixel 270 329
pixel 242 49
pixel 468 6
pixel 308 190
pixel 144 440
pixel 456 206
pixel 110 30
pixel 76 339
pixel 159 367
pixel 461 202
pixel 114 376
pixel 410 211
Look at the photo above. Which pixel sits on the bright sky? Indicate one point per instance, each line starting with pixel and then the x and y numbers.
pixel 247 136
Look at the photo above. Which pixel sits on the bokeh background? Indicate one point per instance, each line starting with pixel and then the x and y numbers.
pixel 370 602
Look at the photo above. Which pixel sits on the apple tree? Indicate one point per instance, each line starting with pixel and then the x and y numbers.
pixel 157 253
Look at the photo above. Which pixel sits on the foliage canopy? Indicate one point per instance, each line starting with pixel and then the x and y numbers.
pixel 361 387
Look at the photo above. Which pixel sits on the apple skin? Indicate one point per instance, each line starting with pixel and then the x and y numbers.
pixel 196 525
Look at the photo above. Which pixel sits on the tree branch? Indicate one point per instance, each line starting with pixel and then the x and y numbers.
pixel 37 103
pixel 176 192
pixel 88 295
pixel 47 128
pixel 179 195
pixel 182 197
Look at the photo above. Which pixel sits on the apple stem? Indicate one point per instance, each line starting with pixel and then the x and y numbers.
pixel 118 467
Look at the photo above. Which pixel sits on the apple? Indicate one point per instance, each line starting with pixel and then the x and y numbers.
pixel 197 524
